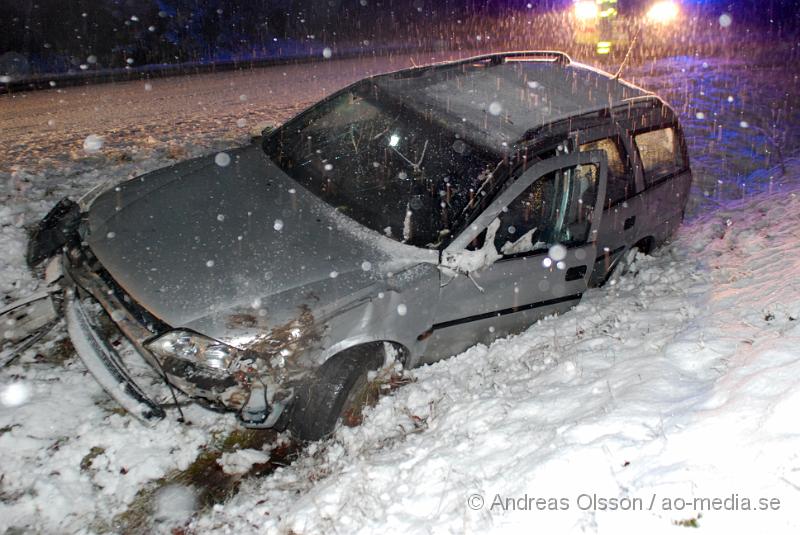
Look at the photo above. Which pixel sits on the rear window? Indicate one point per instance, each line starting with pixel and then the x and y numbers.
pixel 660 153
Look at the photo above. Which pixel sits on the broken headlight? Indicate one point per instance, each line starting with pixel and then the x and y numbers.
pixel 195 348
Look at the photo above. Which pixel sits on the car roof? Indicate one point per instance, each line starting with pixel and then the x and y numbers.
pixel 498 98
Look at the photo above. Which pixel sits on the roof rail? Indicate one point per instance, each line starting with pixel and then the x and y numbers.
pixel 496 58
pixel 534 55
pixel 642 101
pixel 517 55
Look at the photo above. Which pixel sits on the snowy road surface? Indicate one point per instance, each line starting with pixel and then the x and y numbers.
pixel 53 124
pixel 678 384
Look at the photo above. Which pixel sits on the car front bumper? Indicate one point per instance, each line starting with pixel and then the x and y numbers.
pixel 105 363
pixel 83 288
pixel 259 401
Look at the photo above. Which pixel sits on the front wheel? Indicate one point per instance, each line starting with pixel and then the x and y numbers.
pixel 338 391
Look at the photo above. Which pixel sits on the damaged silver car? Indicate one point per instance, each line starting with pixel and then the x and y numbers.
pixel 408 216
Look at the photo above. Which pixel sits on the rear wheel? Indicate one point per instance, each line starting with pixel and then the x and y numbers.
pixel 625 265
pixel 339 390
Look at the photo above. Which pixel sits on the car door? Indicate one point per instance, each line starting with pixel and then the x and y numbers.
pixel 661 156
pixel 621 207
pixel 528 255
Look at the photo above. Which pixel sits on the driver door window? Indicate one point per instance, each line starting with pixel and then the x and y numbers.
pixel 487 295
pixel 556 209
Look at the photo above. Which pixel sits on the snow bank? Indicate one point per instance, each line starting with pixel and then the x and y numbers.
pixel 681 383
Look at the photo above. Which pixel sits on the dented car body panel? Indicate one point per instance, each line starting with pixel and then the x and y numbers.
pixel 241 228
pixel 223 272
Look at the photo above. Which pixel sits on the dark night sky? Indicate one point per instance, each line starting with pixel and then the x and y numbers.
pixel 59 35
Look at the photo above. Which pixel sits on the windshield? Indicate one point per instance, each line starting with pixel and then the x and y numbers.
pixel 387 165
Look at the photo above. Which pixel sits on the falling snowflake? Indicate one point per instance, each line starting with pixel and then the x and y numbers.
pixel 557 252
pixel 93 144
pixel 14 395
pixel 222 159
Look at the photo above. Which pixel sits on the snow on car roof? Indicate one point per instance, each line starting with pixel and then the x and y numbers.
pixel 500 101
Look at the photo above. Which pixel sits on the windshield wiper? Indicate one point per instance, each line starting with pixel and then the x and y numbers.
pixel 416 167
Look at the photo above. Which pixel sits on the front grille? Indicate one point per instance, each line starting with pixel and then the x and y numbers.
pixel 138 312
pixel 142 315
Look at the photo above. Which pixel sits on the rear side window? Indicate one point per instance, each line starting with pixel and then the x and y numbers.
pixel 661 154
pixel 620 182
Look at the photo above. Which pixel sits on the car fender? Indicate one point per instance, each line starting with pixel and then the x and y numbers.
pixel 399 314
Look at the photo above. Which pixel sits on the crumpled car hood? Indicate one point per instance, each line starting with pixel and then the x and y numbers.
pixel 196 238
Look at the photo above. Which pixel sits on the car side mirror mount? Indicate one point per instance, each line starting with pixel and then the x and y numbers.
pixel 466 262
pixel 262 130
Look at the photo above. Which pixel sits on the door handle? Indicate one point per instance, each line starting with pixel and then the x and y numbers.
pixel 629 222
pixel 575 273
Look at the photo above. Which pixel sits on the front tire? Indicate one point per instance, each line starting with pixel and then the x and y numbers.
pixel 338 391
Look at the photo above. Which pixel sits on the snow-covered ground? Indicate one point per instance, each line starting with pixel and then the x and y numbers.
pixel 680 382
